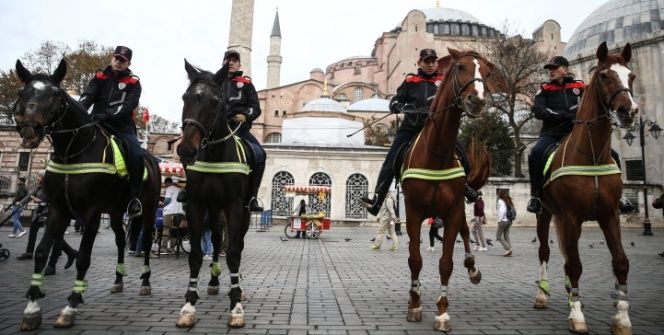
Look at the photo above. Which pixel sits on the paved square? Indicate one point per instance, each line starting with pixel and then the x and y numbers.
pixel 337 285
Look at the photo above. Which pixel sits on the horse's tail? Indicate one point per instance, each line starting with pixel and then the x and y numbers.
pixel 480 160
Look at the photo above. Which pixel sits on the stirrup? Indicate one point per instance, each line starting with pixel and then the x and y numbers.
pixel 471 195
pixel 534 205
pixel 134 208
pixel 625 206
pixel 253 205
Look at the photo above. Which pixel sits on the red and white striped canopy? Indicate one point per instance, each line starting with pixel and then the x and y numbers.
pixel 170 169
pixel 306 189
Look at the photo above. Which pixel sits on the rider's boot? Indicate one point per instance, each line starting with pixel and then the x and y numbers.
pixel 256 177
pixel 373 205
pixel 534 204
pixel 625 206
pixel 470 193
pixel 135 208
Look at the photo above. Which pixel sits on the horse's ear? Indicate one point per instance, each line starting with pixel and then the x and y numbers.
pixel 221 75
pixel 23 73
pixel 60 72
pixel 444 63
pixel 602 53
pixel 627 53
pixel 191 70
pixel 456 54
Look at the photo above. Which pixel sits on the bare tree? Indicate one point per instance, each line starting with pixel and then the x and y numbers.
pixel 10 85
pixel 84 62
pixel 520 62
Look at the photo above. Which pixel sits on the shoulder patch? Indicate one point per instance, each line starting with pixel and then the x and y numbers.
pixel 576 84
pixel 242 79
pixel 101 75
pixel 413 78
pixel 551 87
pixel 128 80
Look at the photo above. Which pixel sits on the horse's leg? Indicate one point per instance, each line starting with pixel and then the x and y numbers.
pixel 66 317
pixel 187 317
pixel 215 268
pixel 445 266
pixel 147 220
pixel 414 228
pixel 32 316
pixel 120 243
pixel 621 324
pixel 569 231
pixel 469 260
pixel 543 223
pixel 237 219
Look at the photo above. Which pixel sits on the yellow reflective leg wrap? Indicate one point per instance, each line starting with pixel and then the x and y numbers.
pixel 80 286
pixel 121 269
pixel 215 269
pixel 37 279
pixel 544 286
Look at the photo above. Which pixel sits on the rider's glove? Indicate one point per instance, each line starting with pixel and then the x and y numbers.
pixel 239 118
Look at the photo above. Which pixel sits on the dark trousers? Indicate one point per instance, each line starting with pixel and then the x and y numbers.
pixel 134 161
pixel 259 154
pixel 59 246
pixel 433 235
pixel 386 174
pixel 32 235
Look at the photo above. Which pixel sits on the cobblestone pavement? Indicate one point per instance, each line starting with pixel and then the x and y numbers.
pixel 337 285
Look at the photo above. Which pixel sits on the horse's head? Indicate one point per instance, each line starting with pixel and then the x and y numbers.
pixel 470 75
pixel 614 84
pixel 201 111
pixel 39 103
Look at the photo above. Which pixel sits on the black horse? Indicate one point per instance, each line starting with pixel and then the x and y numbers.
pixel 81 182
pixel 217 180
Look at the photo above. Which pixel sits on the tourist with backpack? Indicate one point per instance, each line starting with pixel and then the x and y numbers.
pixel 505 207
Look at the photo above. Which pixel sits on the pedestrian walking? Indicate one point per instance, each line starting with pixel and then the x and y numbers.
pixel 434 225
pixel 387 218
pixel 17 209
pixel 504 223
pixel 478 221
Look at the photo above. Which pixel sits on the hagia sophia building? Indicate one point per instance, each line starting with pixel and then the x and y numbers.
pixel 304 124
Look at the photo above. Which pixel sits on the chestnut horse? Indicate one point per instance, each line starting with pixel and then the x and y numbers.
pixel 81 181
pixel 433 180
pixel 583 163
pixel 217 180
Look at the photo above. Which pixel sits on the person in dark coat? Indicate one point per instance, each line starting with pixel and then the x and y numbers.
pixel 556 104
pixel 240 96
pixel 115 93
pixel 413 98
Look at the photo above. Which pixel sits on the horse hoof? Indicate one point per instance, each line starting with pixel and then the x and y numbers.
pixel 64 321
pixel 442 325
pixel 578 327
pixel 414 314
pixel 617 329
pixel 117 288
pixel 236 320
pixel 145 290
pixel 213 290
pixel 476 278
pixel 540 304
pixel 186 320
pixel 31 321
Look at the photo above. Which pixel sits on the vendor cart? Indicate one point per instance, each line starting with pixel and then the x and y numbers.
pixel 311 224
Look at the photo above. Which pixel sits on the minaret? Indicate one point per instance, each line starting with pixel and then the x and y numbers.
pixel 274 58
pixel 239 36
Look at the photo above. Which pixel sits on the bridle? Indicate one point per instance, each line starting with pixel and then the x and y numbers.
pixel 207 131
pixel 457 100
pixel 49 127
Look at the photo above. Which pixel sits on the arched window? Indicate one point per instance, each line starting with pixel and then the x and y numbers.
pixel 358 94
pixel 341 97
pixel 281 205
pixel 5 184
pixel 357 186
pixel 315 202
pixel 273 138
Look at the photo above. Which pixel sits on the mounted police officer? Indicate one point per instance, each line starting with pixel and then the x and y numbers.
pixel 241 98
pixel 115 93
pixel 556 105
pixel 414 97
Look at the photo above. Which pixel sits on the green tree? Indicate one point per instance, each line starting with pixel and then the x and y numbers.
pixel 494 132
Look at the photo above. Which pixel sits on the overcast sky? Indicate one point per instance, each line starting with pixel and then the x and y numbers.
pixel 315 33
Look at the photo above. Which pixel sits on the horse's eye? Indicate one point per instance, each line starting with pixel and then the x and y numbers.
pixel 460 67
pixel 603 75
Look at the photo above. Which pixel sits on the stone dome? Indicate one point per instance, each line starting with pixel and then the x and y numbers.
pixel 371 105
pixel 616 22
pixel 323 105
pixel 316 69
pixel 448 14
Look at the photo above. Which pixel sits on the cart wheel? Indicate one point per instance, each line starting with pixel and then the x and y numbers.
pixel 313 230
pixel 290 233
pixel 4 254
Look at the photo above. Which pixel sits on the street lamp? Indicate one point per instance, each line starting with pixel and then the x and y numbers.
pixel 655 131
